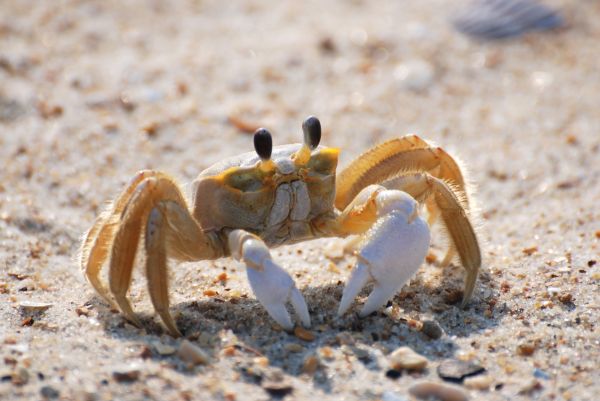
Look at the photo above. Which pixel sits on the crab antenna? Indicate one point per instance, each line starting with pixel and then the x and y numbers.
pixel 312 132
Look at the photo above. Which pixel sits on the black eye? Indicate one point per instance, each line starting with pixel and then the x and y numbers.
pixel 263 143
pixel 312 132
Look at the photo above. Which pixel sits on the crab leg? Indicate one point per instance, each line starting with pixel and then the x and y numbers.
pixel 272 285
pixel 126 239
pixel 171 231
pixel 125 245
pixel 394 157
pixel 429 175
pixel 391 250
pixel 97 241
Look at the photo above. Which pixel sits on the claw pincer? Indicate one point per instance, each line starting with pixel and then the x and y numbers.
pixel 390 252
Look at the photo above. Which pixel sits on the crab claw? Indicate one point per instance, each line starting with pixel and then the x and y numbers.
pixel 273 287
pixel 390 254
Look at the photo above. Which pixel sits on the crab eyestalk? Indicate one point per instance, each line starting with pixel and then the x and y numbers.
pixel 263 145
pixel 312 136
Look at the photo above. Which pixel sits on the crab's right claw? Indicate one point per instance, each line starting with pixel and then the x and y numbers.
pixel 390 254
pixel 273 287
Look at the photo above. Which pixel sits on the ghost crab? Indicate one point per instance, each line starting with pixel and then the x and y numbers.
pixel 244 205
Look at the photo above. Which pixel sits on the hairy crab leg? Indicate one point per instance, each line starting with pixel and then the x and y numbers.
pixel 98 240
pixel 126 239
pixel 393 158
pixel 444 191
pixel 172 231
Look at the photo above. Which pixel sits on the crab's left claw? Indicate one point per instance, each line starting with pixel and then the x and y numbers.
pixel 390 253
pixel 272 286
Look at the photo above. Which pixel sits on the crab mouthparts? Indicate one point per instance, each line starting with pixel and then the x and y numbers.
pixel 285 166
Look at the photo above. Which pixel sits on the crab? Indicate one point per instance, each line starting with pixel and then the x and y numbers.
pixel 245 205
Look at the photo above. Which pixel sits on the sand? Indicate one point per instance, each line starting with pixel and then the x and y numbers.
pixel 91 92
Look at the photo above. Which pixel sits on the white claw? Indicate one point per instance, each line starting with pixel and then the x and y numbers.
pixel 280 314
pixel 300 307
pixel 393 249
pixel 273 287
pixel 359 278
pixel 379 296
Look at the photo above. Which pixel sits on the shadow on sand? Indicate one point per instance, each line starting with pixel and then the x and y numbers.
pixel 207 321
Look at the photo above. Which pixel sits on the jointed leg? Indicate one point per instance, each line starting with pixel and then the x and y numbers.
pixel 272 286
pixel 95 250
pixel 118 229
pixel 429 175
pixel 391 159
pixel 156 269
pixel 98 239
pixel 125 242
pixel 171 231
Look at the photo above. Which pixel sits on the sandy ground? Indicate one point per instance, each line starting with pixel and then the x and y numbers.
pixel 92 91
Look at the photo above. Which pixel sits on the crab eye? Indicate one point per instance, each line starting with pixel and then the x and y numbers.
pixel 312 132
pixel 263 143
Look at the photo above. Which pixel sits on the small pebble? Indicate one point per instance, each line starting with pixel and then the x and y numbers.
pixel 146 352
pixel 415 75
pixel 525 349
pixel 478 382
pixel 326 353
pixel 303 334
pixel 310 365
pixel 20 377
pixel 127 374
pixel 431 329
pixel 391 396
pixel 189 352
pixel 361 353
pixel 34 306
pixel 565 298
pixel 293 347
pixel 49 392
pixel 531 386
pixel 10 109
pixel 164 349
pixel 82 311
pixel 406 358
pixel 455 370
pixel 437 391
pixel 540 374
pixel 229 351
pixel 261 361
pixel 278 389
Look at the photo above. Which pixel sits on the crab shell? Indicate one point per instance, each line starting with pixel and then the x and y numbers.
pixel 277 199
